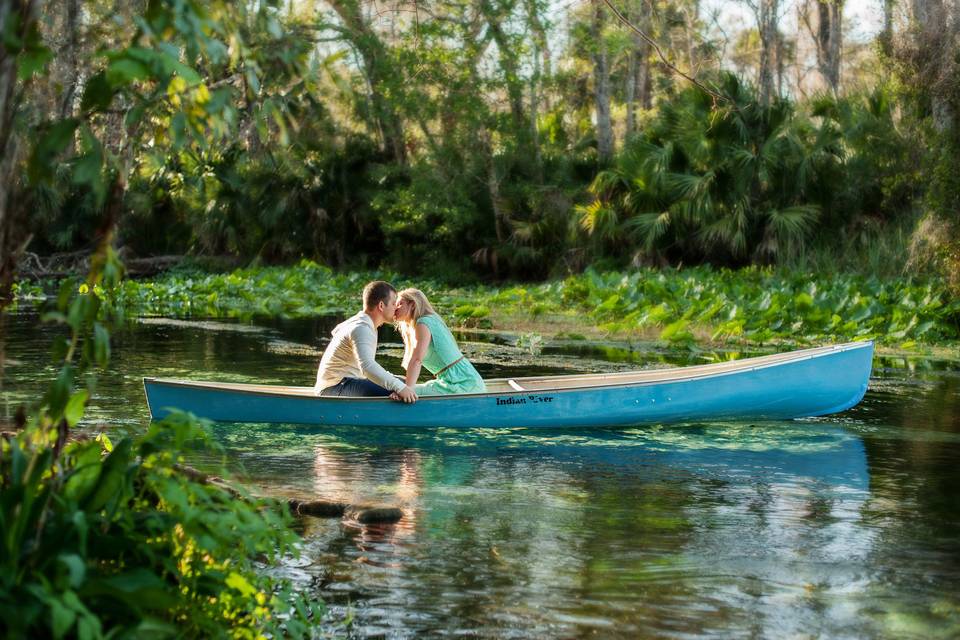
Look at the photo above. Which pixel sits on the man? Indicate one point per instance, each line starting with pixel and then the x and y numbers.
pixel 348 366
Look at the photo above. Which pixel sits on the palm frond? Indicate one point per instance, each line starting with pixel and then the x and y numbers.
pixel 649 227
pixel 793 223
pixel 598 219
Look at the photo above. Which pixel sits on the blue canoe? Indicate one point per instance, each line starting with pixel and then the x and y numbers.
pixel 810 382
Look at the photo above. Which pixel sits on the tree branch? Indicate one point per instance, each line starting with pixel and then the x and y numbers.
pixel 663 58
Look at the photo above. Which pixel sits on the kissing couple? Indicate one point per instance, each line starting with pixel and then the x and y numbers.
pixel 349 366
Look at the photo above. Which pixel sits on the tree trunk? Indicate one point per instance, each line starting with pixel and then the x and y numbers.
pixel 829 37
pixel 71 56
pixel 638 69
pixel 767 26
pixel 886 36
pixel 601 87
pixel 379 74
pixel 541 66
pixel 508 63
pixel 937 30
pixel 22 16
pixel 630 95
pixel 781 63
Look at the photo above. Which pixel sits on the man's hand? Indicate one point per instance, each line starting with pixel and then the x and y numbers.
pixel 407 394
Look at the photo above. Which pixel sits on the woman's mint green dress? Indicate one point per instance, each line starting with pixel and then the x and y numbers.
pixel 443 349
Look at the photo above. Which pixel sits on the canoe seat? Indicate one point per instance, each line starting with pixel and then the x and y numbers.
pixel 516 387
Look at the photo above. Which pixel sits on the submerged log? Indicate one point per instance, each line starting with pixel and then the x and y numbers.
pixel 364 514
pixel 375 515
pixel 317 508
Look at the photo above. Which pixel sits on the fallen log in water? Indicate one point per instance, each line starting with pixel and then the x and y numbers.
pixel 364 514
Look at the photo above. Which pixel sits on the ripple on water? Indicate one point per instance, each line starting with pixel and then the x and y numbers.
pixel 843 526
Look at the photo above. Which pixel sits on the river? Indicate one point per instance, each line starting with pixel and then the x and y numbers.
pixel 846 526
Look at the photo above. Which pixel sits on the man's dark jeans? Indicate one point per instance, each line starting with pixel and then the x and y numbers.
pixel 355 387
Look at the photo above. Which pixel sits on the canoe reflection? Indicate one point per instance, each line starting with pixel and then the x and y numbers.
pixel 820 451
pixel 625 527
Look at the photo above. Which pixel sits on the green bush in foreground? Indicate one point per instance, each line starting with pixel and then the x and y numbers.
pixel 104 540
pixel 111 540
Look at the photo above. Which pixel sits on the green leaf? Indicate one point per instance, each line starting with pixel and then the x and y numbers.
pixel 33 61
pixel 111 477
pixel 98 93
pixel 155 628
pixel 61 618
pixel 11 38
pixel 803 301
pixel 134 115
pixel 104 439
pixel 76 567
pixel 123 71
pixel 172 66
pixel 74 409
pixel 88 167
pixel 101 344
pixel 58 393
pixel 81 481
pixel 179 127
pixel 240 583
pixel 88 628
pixel 140 589
pixel 676 332
pixel 52 142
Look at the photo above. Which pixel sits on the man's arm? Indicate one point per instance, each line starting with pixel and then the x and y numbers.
pixel 364 342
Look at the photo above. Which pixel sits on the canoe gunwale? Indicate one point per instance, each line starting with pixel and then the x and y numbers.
pixel 797 356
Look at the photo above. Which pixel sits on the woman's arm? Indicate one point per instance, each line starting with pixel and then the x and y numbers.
pixel 416 358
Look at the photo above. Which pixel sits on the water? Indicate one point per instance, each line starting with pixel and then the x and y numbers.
pixel 847 526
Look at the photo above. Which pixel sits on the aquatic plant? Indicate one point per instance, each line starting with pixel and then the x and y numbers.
pixel 754 304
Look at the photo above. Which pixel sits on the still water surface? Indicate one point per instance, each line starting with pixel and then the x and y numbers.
pixel 841 527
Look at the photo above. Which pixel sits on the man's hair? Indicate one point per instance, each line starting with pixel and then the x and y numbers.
pixel 376 292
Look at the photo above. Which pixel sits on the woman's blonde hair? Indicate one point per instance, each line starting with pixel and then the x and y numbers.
pixel 408 328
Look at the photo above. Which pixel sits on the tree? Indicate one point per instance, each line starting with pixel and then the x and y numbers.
pixel 637 90
pixel 380 73
pixel 768 26
pixel 22 56
pixel 826 29
pixel 601 85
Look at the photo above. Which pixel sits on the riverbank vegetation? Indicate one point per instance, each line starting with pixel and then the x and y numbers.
pixel 484 140
pixel 753 305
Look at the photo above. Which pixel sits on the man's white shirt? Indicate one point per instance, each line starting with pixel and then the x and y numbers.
pixel 352 354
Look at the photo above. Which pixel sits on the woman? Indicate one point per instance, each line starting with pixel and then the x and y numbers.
pixel 428 343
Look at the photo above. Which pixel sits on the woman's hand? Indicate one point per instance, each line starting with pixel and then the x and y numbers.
pixel 407 395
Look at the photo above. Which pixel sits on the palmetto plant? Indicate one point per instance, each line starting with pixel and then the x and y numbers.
pixel 735 181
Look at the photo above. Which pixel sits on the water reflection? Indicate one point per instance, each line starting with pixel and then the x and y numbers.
pixel 837 527
pixel 525 532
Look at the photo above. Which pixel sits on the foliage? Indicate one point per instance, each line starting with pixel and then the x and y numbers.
pixel 429 221
pixel 942 206
pixel 305 290
pixel 461 142
pixel 741 182
pixel 102 539
pixel 704 304
pixel 760 305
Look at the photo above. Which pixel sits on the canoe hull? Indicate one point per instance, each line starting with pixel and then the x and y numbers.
pixel 804 387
